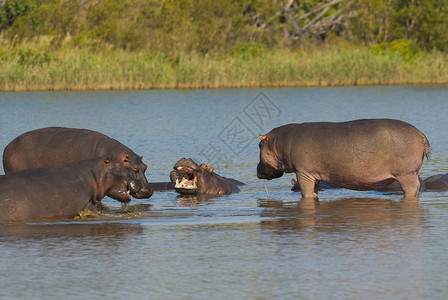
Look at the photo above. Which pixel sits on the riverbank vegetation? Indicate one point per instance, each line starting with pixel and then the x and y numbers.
pixel 137 44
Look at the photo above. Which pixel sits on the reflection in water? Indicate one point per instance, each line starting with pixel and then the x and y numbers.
pixel 47 261
pixel 194 200
pixel 342 213
pixel 360 245
pixel 68 229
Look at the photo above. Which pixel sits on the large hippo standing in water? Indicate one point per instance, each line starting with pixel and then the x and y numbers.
pixel 191 178
pixel 63 191
pixel 358 155
pixel 55 146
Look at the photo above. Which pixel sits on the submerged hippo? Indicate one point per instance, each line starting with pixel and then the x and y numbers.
pixel 193 179
pixel 319 186
pixel 56 146
pixel 437 182
pixel 358 155
pixel 63 191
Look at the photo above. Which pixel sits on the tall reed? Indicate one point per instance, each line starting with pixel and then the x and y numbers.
pixel 35 67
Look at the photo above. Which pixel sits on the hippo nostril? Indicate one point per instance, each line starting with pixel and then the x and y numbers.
pixel 147 192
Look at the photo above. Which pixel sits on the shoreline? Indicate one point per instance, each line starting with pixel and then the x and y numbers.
pixel 188 86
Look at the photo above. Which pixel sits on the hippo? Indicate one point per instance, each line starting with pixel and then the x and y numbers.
pixel 319 186
pixel 162 186
pixel 362 154
pixel 437 182
pixel 63 191
pixel 55 146
pixel 193 179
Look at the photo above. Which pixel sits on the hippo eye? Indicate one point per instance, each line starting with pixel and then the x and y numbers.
pixel 135 168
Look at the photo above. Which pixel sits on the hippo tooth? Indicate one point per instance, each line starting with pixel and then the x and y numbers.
pixel 177 183
pixel 185 183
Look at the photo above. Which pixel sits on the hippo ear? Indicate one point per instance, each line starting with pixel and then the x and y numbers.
pixel 262 137
pixel 211 169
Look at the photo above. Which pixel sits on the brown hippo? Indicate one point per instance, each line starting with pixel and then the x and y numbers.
pixel 191 178
pixel 437 182
pixel 318 187
pixel 162 186
pixel 62 191
pixel 358 155
pixel 56 146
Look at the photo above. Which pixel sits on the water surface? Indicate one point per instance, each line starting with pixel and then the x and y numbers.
pixel 261 243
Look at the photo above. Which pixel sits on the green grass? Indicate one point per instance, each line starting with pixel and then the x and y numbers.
pixel 34 66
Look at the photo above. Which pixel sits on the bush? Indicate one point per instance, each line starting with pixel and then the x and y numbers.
pixel 403 48
pixel 12 9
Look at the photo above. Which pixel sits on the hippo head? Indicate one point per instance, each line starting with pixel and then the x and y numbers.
pixel 269 166
pixel 185 175
pixel 135 169
pixel 116 182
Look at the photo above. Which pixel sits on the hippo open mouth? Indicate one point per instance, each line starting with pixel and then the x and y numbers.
pixel 185 176
pixel 186 180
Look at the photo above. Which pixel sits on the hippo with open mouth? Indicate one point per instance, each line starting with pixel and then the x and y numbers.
pixel 360 155
pixel 193 179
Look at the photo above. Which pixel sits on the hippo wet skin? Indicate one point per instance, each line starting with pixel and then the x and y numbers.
pixel 358 155
pixel 191 178
pixel 63 191
pixel 437 182
pixel 56 146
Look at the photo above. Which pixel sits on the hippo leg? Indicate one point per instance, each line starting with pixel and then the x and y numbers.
pixel 410 185
pixel 307 185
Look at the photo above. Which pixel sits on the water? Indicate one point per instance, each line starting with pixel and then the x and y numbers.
pixel 261 243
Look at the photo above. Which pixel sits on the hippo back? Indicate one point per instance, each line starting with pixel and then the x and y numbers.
pixel 55 146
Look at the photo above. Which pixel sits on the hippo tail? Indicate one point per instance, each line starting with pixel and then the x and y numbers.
pixel 426 146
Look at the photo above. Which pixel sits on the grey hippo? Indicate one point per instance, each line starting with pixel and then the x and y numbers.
pixel 63 191
pixel 56 146
pixel 362 154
